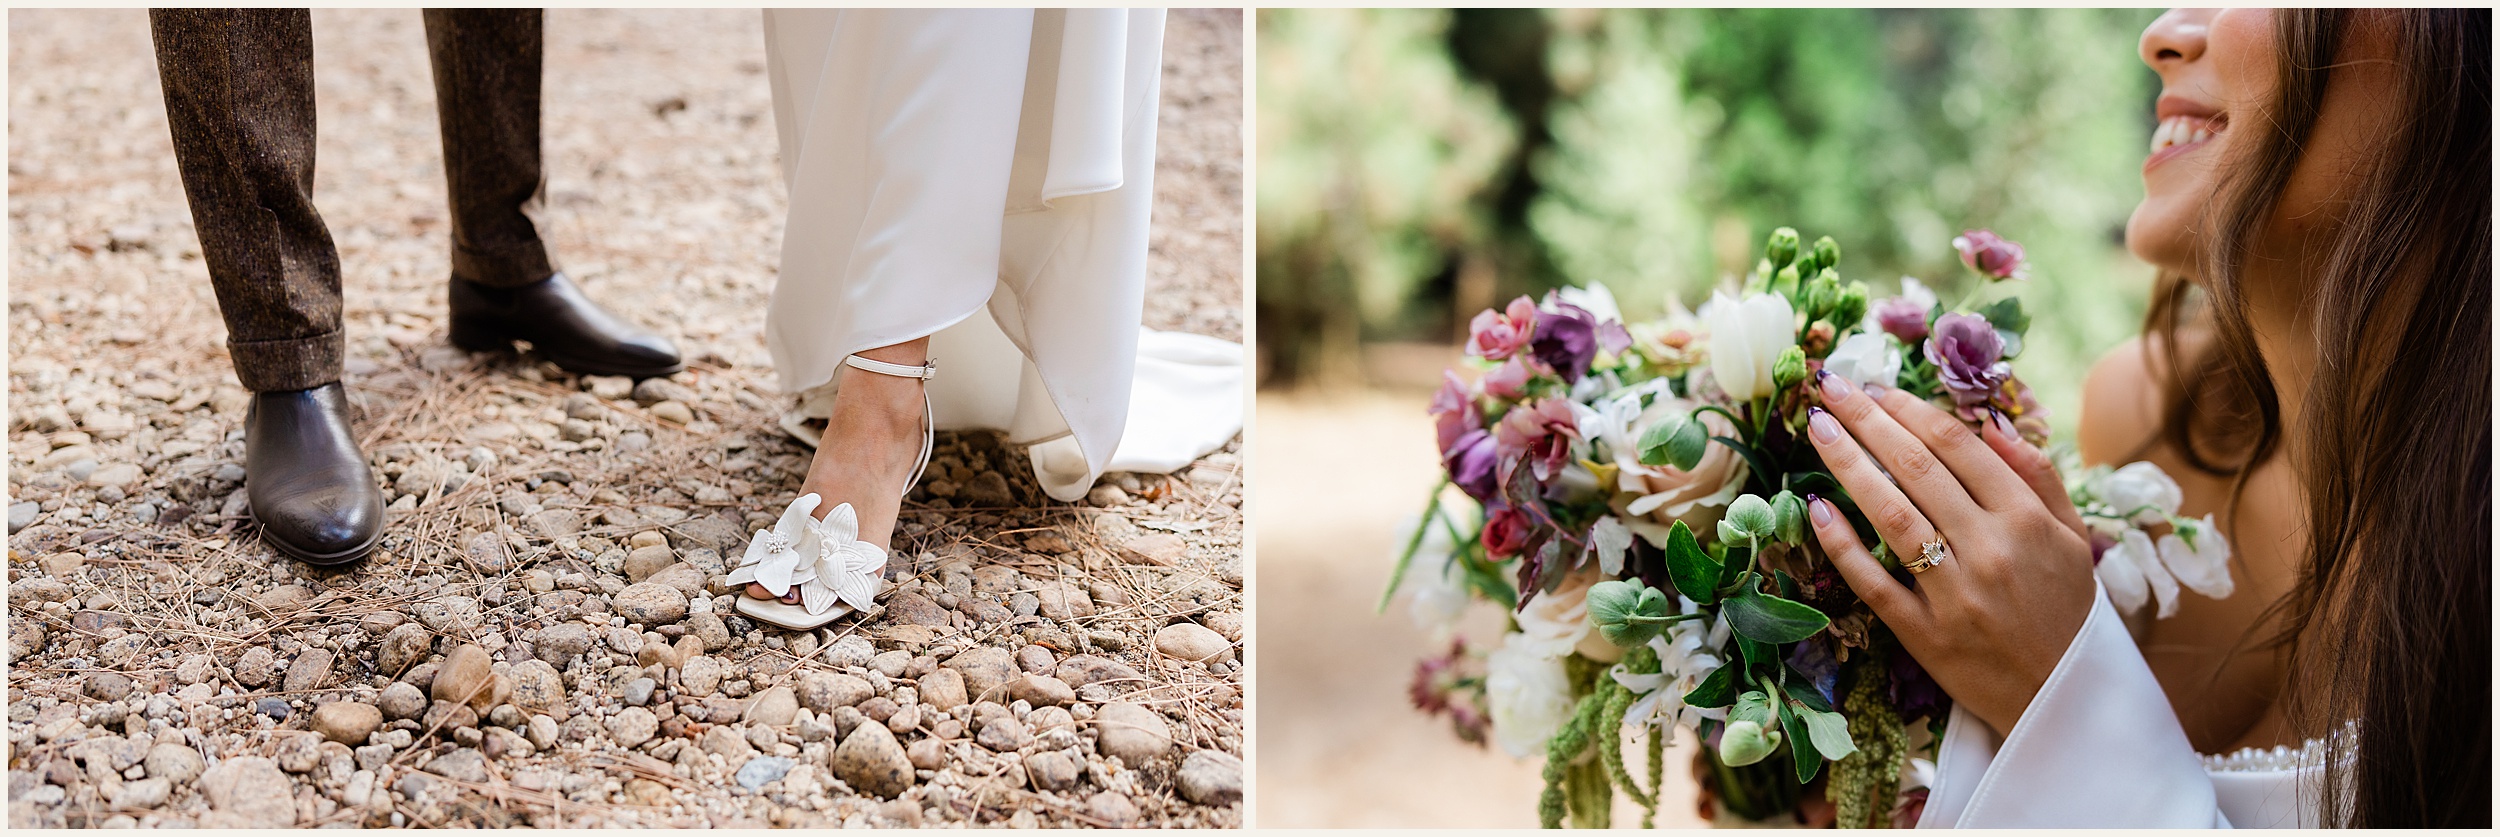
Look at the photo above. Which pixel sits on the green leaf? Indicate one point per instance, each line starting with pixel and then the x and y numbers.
pixel 1802 691
pixel 1753 461
pixel 1732 568
pixel 1716 690
pixel 2007 314
pixel 1692 571
pixel 1803 753
pixel 1755 706
pixel 1771 619
pixel 1788 514
pixel 1756 653
pixel 1829 732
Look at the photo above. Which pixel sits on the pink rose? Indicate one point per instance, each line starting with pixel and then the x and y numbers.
pixel 1505 533
pixel 1499 335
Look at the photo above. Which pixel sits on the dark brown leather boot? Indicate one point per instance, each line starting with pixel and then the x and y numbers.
pixel 311 489
pixel 562 325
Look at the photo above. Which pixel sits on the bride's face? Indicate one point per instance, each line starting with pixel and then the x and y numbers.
pixel 2217 70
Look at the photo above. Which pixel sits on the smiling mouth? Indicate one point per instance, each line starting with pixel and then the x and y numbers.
pixel 2180 134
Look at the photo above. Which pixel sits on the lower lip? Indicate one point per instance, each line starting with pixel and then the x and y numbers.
pixel 2164 155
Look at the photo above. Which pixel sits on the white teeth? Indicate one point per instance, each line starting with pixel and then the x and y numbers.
pixel 2180 130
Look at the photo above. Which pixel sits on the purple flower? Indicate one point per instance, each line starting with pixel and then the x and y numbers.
pixel 1969 357
pixel 1902 317
pixel 1915 693
pixel 1471 462
pixel 1566 341
pixel 1454 410
pixel 1822 671
pixel 1993 256
pixel 1539 434
pixel 1466 447
pixel 1496 335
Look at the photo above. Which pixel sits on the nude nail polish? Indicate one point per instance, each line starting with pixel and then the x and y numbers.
pixel 1835 388
pixel 1822 511
pixel 1825 428
pixel 2004 425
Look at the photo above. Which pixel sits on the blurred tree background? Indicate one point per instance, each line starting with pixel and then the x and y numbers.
pixel 1416 166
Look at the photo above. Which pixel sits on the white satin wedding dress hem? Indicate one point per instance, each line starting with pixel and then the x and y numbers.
pixel 2099 747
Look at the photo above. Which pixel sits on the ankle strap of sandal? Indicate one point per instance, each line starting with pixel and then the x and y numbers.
pixel 928 410
pixel 925 371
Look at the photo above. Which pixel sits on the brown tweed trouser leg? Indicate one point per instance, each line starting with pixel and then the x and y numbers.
pixel 239 99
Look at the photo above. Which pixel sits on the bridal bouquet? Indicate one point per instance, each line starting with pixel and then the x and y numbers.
pixel 1634 499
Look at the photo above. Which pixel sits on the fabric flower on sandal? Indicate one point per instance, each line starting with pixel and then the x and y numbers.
pixel 824 559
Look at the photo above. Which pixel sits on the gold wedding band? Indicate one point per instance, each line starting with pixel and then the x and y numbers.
pixel 1930 554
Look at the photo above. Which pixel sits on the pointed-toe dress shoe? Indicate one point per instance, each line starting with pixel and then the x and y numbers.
pixel 310 486
pixel 561 324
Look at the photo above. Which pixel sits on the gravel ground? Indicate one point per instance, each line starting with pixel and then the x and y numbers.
pixel 542 637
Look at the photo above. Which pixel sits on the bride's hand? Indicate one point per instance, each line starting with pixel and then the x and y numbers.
pixel 1991 621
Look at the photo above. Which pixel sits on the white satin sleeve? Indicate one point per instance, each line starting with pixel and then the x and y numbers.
pixel 2098 747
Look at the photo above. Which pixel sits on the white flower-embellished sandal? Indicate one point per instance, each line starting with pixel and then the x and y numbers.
pixel 834 572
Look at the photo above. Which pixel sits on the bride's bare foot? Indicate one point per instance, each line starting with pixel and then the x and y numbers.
pixel 868 448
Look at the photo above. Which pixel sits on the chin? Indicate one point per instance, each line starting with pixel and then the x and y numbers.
pixel 2158 239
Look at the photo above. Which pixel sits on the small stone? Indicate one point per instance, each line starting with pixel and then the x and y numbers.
pixel 346 722
pixel 400 701
pixel 913 609
pixel 608 387
pixel 464 764
pixel 272 707
pixel 822 691
pixel 1086 669
pixel 466 675
pixel 700 677
pixel 943 689
pixel 892 664
pixel 555 523
pixel 542 731
pixel 1062 602
pixel 759 772
pixel 643 561
pixel 176 762
pixel 1035 659
pixel 1162 549
pixel 448 717
pixel 633 726
pixel 250 792
pixel 774 707
pixel 1225 623
pixel 196 668
pixel 256 668
pixel 22 515
pixel 708 629
pixel 144 794
pixel 1051 770
pixel 1210 777
pixel 537 689
pixel 455 616
pixel 870 760
pixel 984 669
pixel 1003 733
pixel 114 475
pixel 487 551
pixel 1111 806
pixel 1192 641
pixel 684 578
pixel 928 754
pixel 310 671
pixel 674 412
pixel 651 604
pixel 1038 690
pixel 1134 733
pixel 638 692
pixel 852 651
pixel 558 644
pixel 404 646
pixel 655 390
pixel 106 686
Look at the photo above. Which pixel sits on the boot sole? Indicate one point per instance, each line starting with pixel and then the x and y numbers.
pixel 334 559
pixel 481 339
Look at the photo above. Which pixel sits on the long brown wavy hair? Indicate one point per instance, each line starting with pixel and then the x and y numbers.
pixel 2390 618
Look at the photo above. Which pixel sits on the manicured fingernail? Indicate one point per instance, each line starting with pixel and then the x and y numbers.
pixel 1835 388
pixel 1826 429
pixel 1874 390
pixel 2004 425
pixel 1822 511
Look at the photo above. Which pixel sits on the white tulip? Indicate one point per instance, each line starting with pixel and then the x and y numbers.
pixel 2204 567
pixel 1867 357
pixel 1746 338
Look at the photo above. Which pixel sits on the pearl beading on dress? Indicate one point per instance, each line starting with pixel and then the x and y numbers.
pixel 2312 753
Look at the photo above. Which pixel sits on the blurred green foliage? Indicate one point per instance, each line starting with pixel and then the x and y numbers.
pixel 1418 165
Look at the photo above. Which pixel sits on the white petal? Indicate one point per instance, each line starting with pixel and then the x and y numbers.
pixel 2211 579
pixel 2120 577
pixel 859 591
pixel 744 574
pixel 795 519
pixel 841 525
pixel 818 597
pixel 1610 539
pixel 2148 561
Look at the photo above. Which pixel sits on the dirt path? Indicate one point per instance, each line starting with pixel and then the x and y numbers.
pixel 167 669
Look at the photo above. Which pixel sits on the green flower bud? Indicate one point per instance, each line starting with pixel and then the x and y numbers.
pixel 1851 306
pixel 1783 247
pixel 1826 252
pixel 1788 512
pixel 1785 283
pixel 1749 517
pixel 1821 294
pixel 1789 369
pixel 1746 742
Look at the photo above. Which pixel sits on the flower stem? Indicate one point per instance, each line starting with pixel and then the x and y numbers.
pixel 1432 510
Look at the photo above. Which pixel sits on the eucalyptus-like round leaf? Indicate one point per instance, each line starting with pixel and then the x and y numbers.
pixel 1788 513
pixel 1750 517
pixel 1746 742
